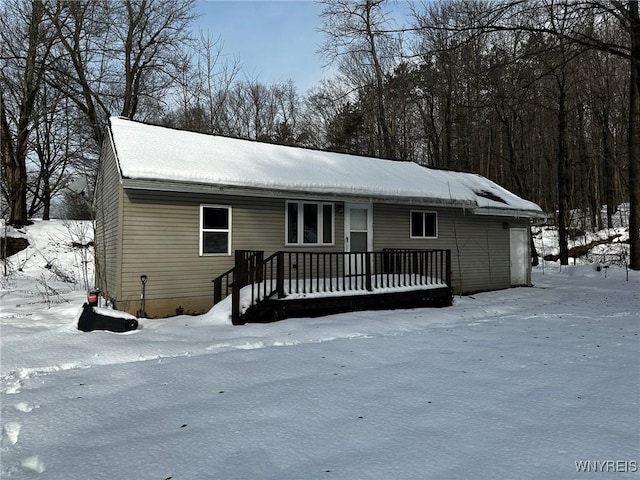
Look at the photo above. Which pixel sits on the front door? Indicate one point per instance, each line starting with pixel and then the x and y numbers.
pixel 358 234
pixel 519 256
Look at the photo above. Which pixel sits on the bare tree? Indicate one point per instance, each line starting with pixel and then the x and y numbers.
pixel 265 112
pixel 321 105
pixel 120 57
pixel 82 70
pixel 252 110
pixel 215 76
pixel 152 36
pixel 587 23
pixel 630 17
pixel 26 43
pixel 354 36
pixel 57 145
pixel 287 102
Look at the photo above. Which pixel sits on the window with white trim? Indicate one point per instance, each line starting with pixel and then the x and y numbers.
pixel 215 230
pixel 309 223
pixel 424 224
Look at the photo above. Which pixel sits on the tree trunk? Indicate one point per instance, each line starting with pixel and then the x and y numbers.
pixel 380 100
pixel 46 198
pixel 15 170
pixel 563 183
pixel 609 170
pixel 634 139
pixel 15 147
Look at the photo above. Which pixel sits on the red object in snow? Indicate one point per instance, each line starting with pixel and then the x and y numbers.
pixel 92 298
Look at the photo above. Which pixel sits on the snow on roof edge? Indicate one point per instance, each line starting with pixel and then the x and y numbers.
pixel 156 153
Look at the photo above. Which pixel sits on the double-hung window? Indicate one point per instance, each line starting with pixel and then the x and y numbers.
pixel 215 230
pixel 424 224
pixel 309 223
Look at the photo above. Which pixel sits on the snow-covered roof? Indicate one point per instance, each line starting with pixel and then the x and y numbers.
pixel 153 153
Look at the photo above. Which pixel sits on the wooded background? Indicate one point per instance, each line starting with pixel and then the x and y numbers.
pixel 539 96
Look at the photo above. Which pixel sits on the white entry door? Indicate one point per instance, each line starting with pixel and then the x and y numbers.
pixel 519 254
pixel 358 233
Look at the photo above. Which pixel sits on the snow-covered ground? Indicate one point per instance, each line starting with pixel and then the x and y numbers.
pixel 608 247
pixel 524 383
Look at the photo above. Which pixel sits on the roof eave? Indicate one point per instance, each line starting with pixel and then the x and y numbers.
pixel 253 191
pixel 510 212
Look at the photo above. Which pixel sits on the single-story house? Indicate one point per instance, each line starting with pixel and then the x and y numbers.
pixel 175 210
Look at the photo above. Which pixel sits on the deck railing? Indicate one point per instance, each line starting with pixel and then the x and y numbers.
pixel 261 283
pixel 245 261
pixel 309 274
pixel 334 272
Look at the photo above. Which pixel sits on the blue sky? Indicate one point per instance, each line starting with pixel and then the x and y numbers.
pixel 274 40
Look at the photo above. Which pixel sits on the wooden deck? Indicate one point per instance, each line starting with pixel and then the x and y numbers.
pixel 294 284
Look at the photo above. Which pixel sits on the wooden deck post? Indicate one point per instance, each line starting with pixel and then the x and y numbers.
pixel 280 274
pixel 367 269
pixel 448 267
pixel 258 262
pixel 235 303
pixel 217 290
pixel 240 271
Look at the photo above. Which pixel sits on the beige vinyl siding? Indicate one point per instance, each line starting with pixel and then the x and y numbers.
pixel 161 240
pixel 479 244
pixel 161 234
pixel 107 205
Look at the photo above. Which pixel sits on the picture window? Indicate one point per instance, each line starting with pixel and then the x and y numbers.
pixel 309 223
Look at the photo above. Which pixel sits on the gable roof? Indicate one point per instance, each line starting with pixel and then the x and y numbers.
pixel 150 154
